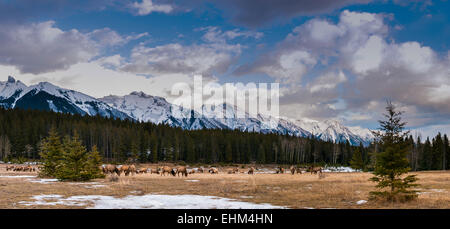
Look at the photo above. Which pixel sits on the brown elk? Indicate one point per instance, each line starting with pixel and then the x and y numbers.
pixel 9 167
pixel 200 170
pixel 141 170
pixel 18 168
pixel 168 170
pixel 251 170
pixel 192 171
pixel 292 170
pixel 128 169
pixel 182 170
pixel 280 170
pixel 213 171
pixel 315 170
pixel 111 169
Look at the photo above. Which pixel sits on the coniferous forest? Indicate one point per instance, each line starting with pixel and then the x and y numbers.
pixel 22 131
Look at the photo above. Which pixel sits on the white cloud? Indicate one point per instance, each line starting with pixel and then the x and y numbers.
pixel 147 7
pixel 109 37
pixel 176 58
pixel 215 35
pixel 374 66
pixel 41 47
pixel 98 81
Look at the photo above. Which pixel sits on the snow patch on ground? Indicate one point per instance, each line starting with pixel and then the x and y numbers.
pixel 340 169
pixel 192 180
pixel 43 181
pixel 247 197
pixel 361 202
pixel 147 201
pixel 20 176
pixel 430 191
pixel 95 186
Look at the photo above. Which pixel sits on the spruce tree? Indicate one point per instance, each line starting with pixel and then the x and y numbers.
pixel 51 152
pixel 357 160
pixel 391 162
pixel 77 164
pixel 93 164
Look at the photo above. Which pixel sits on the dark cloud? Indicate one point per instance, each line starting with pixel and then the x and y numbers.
pixel 254 13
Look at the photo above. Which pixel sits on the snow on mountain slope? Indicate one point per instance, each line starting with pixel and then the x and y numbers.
pixel 46 96
pixel 10 90
pixel 334 130
pixel 146 108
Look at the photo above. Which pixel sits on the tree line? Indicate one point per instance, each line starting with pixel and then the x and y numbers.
pixel 22 133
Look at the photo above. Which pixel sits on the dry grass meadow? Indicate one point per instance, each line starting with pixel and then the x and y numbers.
pixel 334 190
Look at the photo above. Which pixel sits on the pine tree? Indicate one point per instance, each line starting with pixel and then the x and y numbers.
pixel 357 160
pixel 73 160
pixel 77 164
pixel 51 152
pixel 94 161
pixel 391 163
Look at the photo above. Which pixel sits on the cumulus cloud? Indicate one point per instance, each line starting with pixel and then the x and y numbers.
pixel 43 47
pixel 351 67
pixel 214 55
pixel 146 7
pixel 176 58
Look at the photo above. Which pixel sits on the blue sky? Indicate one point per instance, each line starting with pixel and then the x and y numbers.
pixel 333 59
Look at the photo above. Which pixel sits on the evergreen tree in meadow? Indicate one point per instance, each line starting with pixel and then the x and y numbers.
pixel 93 164
pixel 51 152
pixel 69 160
pixel 391 163
pixel 357 160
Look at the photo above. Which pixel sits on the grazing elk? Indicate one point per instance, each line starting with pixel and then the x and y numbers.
pixel 168 170
pixel 182 170
pixel 9 167
pixel 200 170
pixel 213 171
pixel 18 168
pixel 128 169
pixel 280 170
pixel 292 170
pixel 110 169
pixel 251 170
pixel 315 170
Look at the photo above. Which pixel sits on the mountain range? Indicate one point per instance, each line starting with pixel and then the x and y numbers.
pixel 141 107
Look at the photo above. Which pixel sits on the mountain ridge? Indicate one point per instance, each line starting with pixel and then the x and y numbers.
pixel 142 107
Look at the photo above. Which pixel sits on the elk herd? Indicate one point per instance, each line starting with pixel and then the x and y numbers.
pixel 20 168
pixel 176 171
pixel 184 171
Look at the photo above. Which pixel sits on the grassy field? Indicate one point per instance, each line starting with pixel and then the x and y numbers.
pixel 334 190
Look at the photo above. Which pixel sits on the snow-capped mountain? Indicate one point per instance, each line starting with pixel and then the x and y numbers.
pixel 147 108
pixel 46 96
pixel 141 107
pixel 334 130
